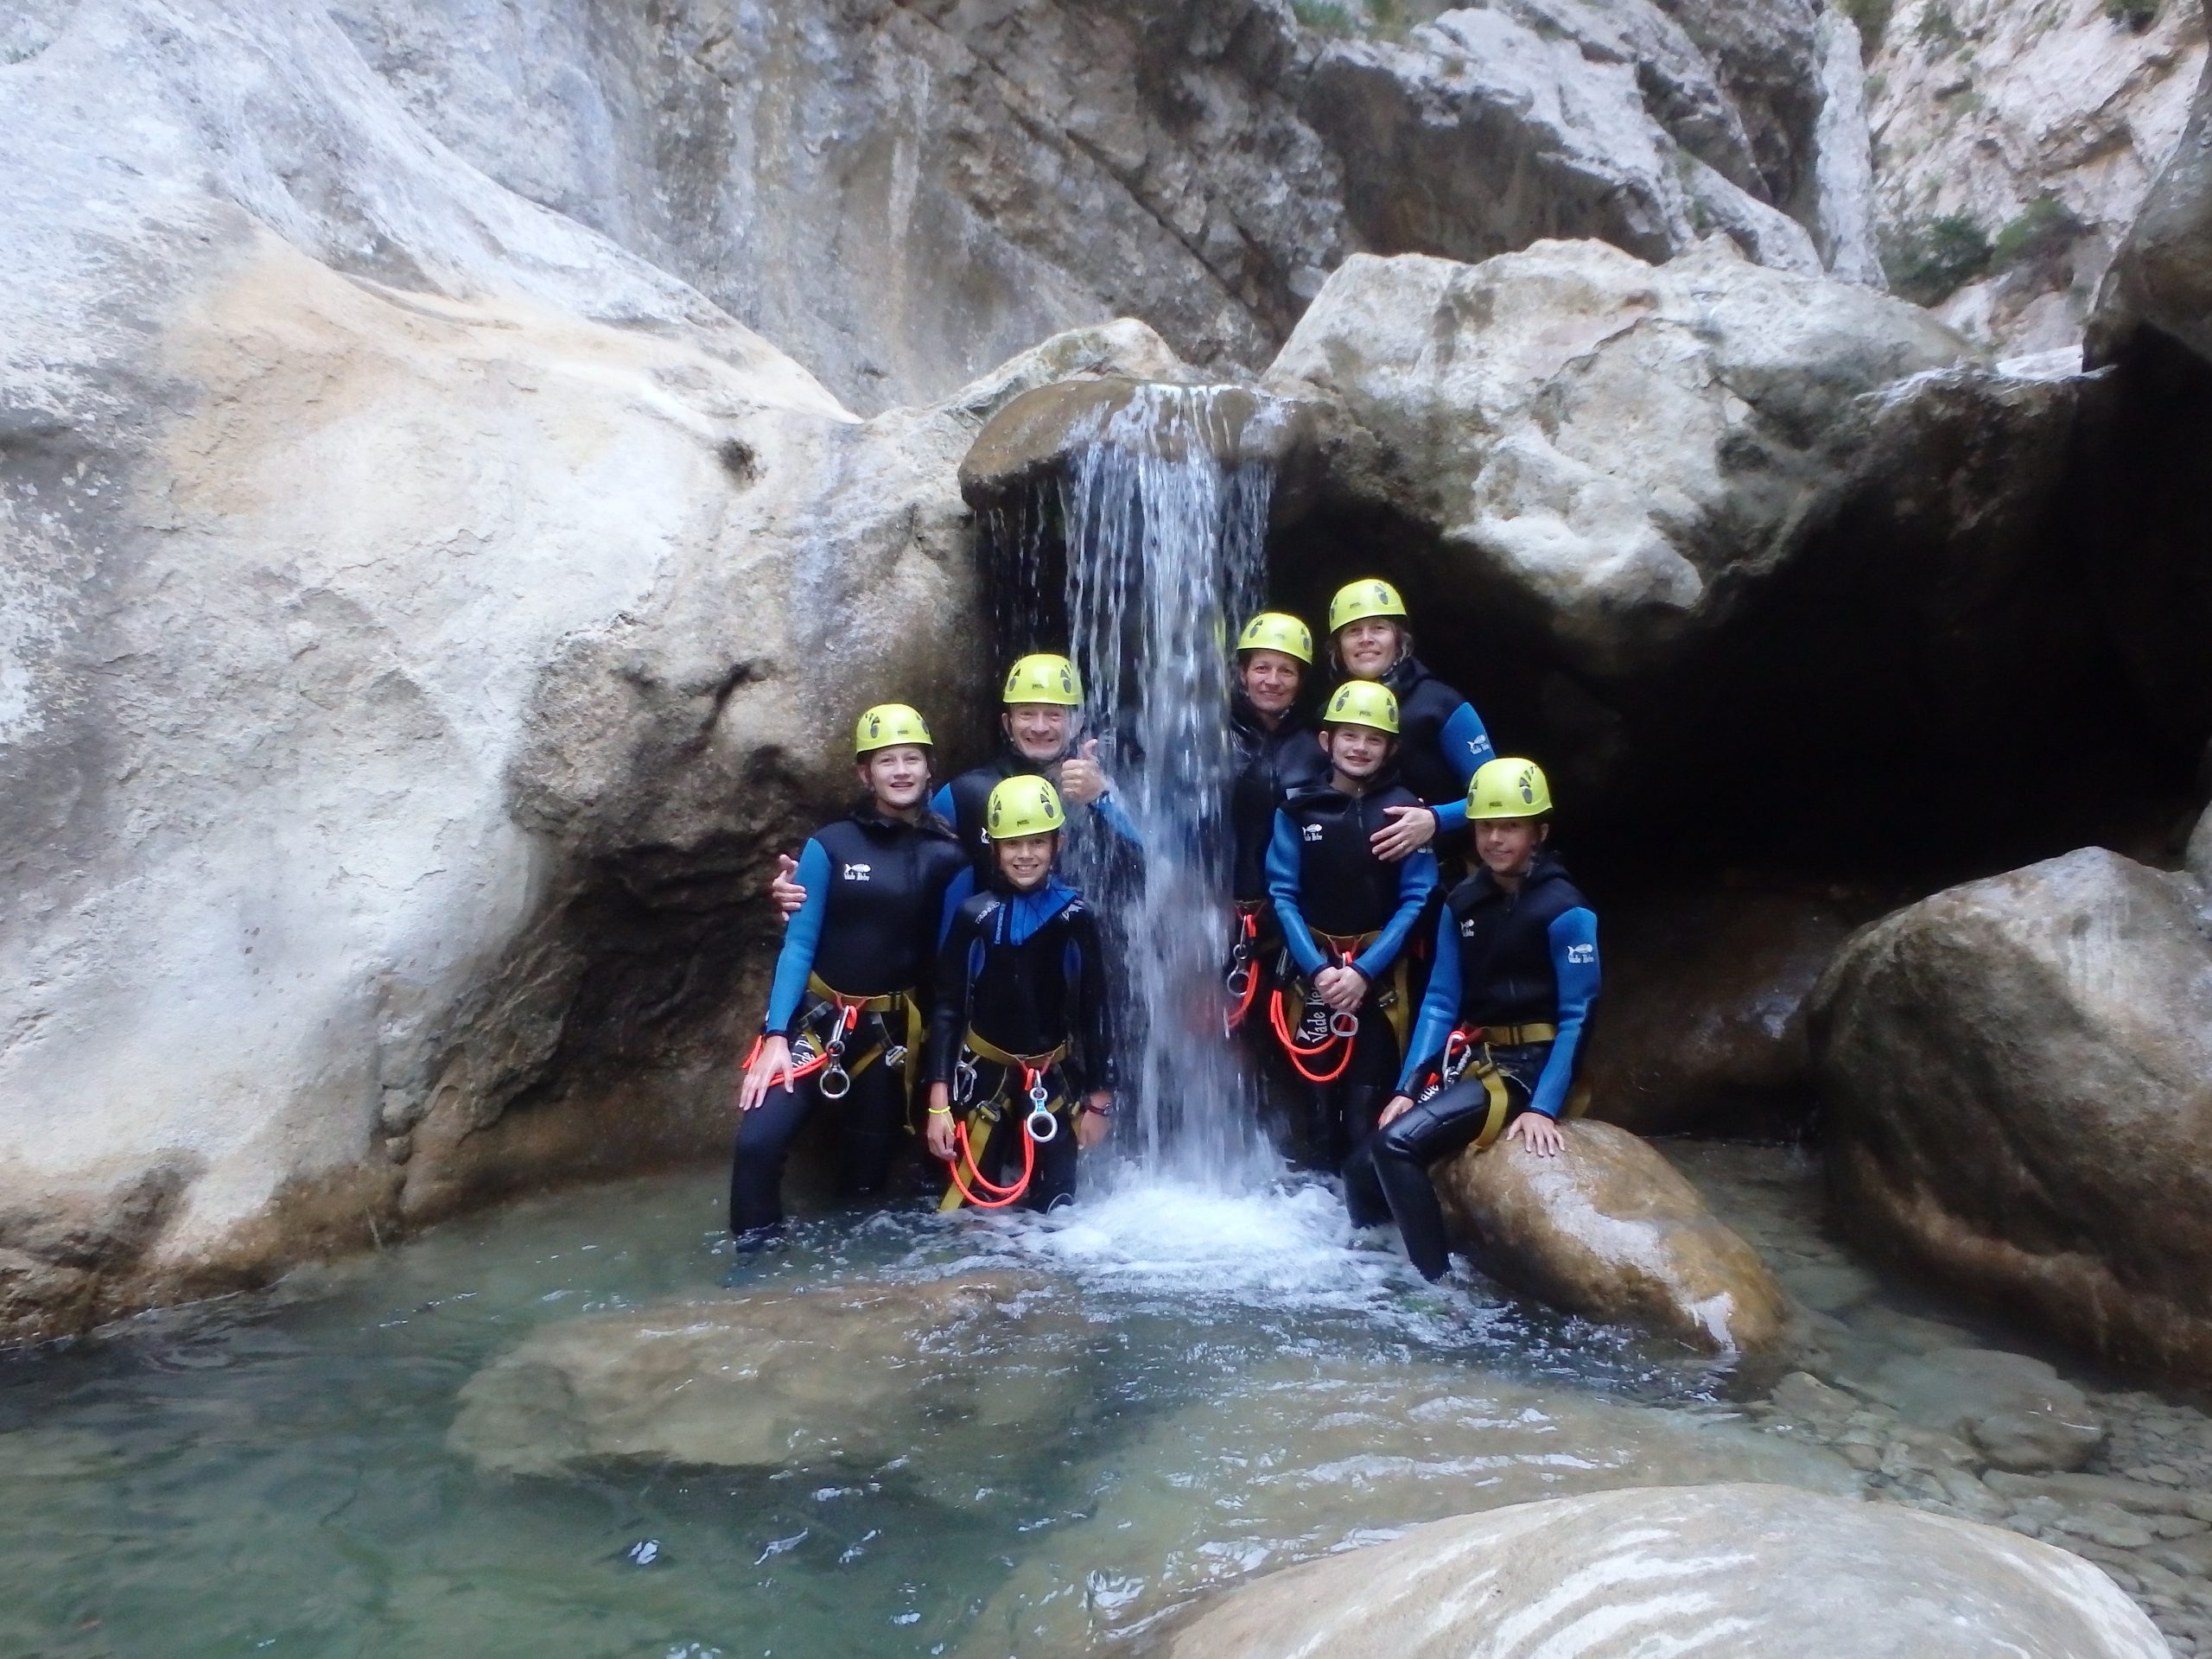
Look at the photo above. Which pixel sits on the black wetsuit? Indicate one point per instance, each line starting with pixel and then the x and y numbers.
pixel 1023 972
pixel 876 893
pixel 1325 879
pixel 1275 763
pixel 1503 959
pixel 1441 742
pixel 964 802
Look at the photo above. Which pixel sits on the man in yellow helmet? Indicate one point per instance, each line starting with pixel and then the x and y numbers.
pixel 1442 739
pixel 1021 1062
pixel 1346 917
pixel 1042 700
pixel 846 1007
pixel 1276 744
pixel 1500 1026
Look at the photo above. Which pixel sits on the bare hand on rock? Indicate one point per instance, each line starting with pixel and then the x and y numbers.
pixel 1411 829
pixel 1538 1133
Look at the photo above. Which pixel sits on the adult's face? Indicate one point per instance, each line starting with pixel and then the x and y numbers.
pixel 1368 647
pixel 1271 680
pixel 897 776
pixel 1026 861
pixel 1506 845
pixel 1039 731
pixel 1358 752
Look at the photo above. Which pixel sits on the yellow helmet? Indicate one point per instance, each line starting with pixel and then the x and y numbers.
pixel 1278 630
pixel 1027 805
pixel 1508 788
pixel 1363 702
pixel 1366 597
pixel 886 724
pixel 1043 678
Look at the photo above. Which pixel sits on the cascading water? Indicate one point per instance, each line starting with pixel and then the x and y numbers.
pixel 1162 516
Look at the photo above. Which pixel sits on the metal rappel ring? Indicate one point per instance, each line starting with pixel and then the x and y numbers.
pixel 1041 1125
pixel 1239 977
pixel 1344 1024
pixel 836 1083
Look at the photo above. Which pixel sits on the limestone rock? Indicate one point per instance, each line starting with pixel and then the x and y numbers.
pixel 2019 1079
pixel 1704 1022
pixel 2017 1410
pixel 2162 278
pixel 846 1376
pixel 2042 128
pixel 1622 452
pixel 2199 848
pixel 1716 1571
pixel 1609 1229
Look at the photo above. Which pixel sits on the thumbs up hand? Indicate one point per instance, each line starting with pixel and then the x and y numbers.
pixel 1083 780
pixel 784 889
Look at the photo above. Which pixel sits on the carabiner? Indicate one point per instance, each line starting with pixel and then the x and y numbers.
pixel 895 1057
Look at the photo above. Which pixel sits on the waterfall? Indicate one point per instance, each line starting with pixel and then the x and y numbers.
pixel 1161 516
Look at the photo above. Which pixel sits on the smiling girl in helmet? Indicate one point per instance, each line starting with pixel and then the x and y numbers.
pixel 1442 741
pixel 1021 1074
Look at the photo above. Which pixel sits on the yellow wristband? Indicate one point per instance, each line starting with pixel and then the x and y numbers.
pixel 940 1111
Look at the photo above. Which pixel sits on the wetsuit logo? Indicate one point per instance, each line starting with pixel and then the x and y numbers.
pixel 1313 832
pixel 857 872
pixel 1581 955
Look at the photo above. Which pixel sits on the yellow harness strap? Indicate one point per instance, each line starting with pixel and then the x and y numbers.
pixel 889 1002
pixel 986 1115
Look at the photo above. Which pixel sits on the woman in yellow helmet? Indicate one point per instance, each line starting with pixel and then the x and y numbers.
pixel 1442 741
pixel 846 1009
pixel 1021 1069
pixel 1276 743
pixel 1501 1027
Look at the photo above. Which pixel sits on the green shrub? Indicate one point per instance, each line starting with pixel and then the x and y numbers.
pixel 2137 15
pixel 1325 16
pixel 1872 17
pixel 1938 28
pixel 2045 228
pixel 1928 260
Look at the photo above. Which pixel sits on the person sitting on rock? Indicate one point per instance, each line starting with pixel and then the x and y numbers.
pixel 1494 1050
pixel 1021 1069
pixel 1037 726
pixel 1442 739
pixel 1275 743
pixel 1346 916
pixel 848 1006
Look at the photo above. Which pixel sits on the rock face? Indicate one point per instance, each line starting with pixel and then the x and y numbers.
pixel 904 194
pixel 771 1380
pixel 1619 452
pixel 1716 1571
pixel 422 619
pixel 1608 1230
pixel 2058 1020
pixel 1703 1023
pixel 2014 145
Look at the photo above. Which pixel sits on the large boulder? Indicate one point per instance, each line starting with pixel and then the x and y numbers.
pixel 1607 1228
pixel 847 1376
pixel 423 619
pixel 2017 1074
pixel 1620 453
pixel 1715 1571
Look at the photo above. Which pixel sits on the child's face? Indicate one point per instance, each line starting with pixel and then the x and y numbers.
pixel 1026 861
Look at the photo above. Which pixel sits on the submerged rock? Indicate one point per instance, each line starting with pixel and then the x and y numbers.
pixel 2018 1078
pixel 855 1375
pixel 2020 1412
pixel 1300 1458
pixel 1609 1231
pixel 1714 1571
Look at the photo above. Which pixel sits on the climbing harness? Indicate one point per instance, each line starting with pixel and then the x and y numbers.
pixel 1467 1052
pixel 813 1051
pixel 1040 1124
pixel 1244 967
pixel 1343 1029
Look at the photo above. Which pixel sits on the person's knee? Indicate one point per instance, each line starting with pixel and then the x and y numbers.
pixel 1397 1140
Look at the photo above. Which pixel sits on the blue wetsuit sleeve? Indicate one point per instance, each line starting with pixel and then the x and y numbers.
pixel 1118 821
pixel 1465 742
pixel 1574 963
pixel 1440 1009
pixel 956 892
pixel 1283 861
pixel 1416 881
pixel 941 803
pixel 801 934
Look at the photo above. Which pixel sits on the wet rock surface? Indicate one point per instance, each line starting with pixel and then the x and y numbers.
pixel 771 1379
pixel 1727 1570
pixel 1608 1230
pixel 2058 1021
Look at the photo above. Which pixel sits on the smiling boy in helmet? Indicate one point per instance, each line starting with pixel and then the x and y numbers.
pixel 1041 702
pixel 1500 1026
pixel 1346 915
pixel 847 1006
pixel 1021 1071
